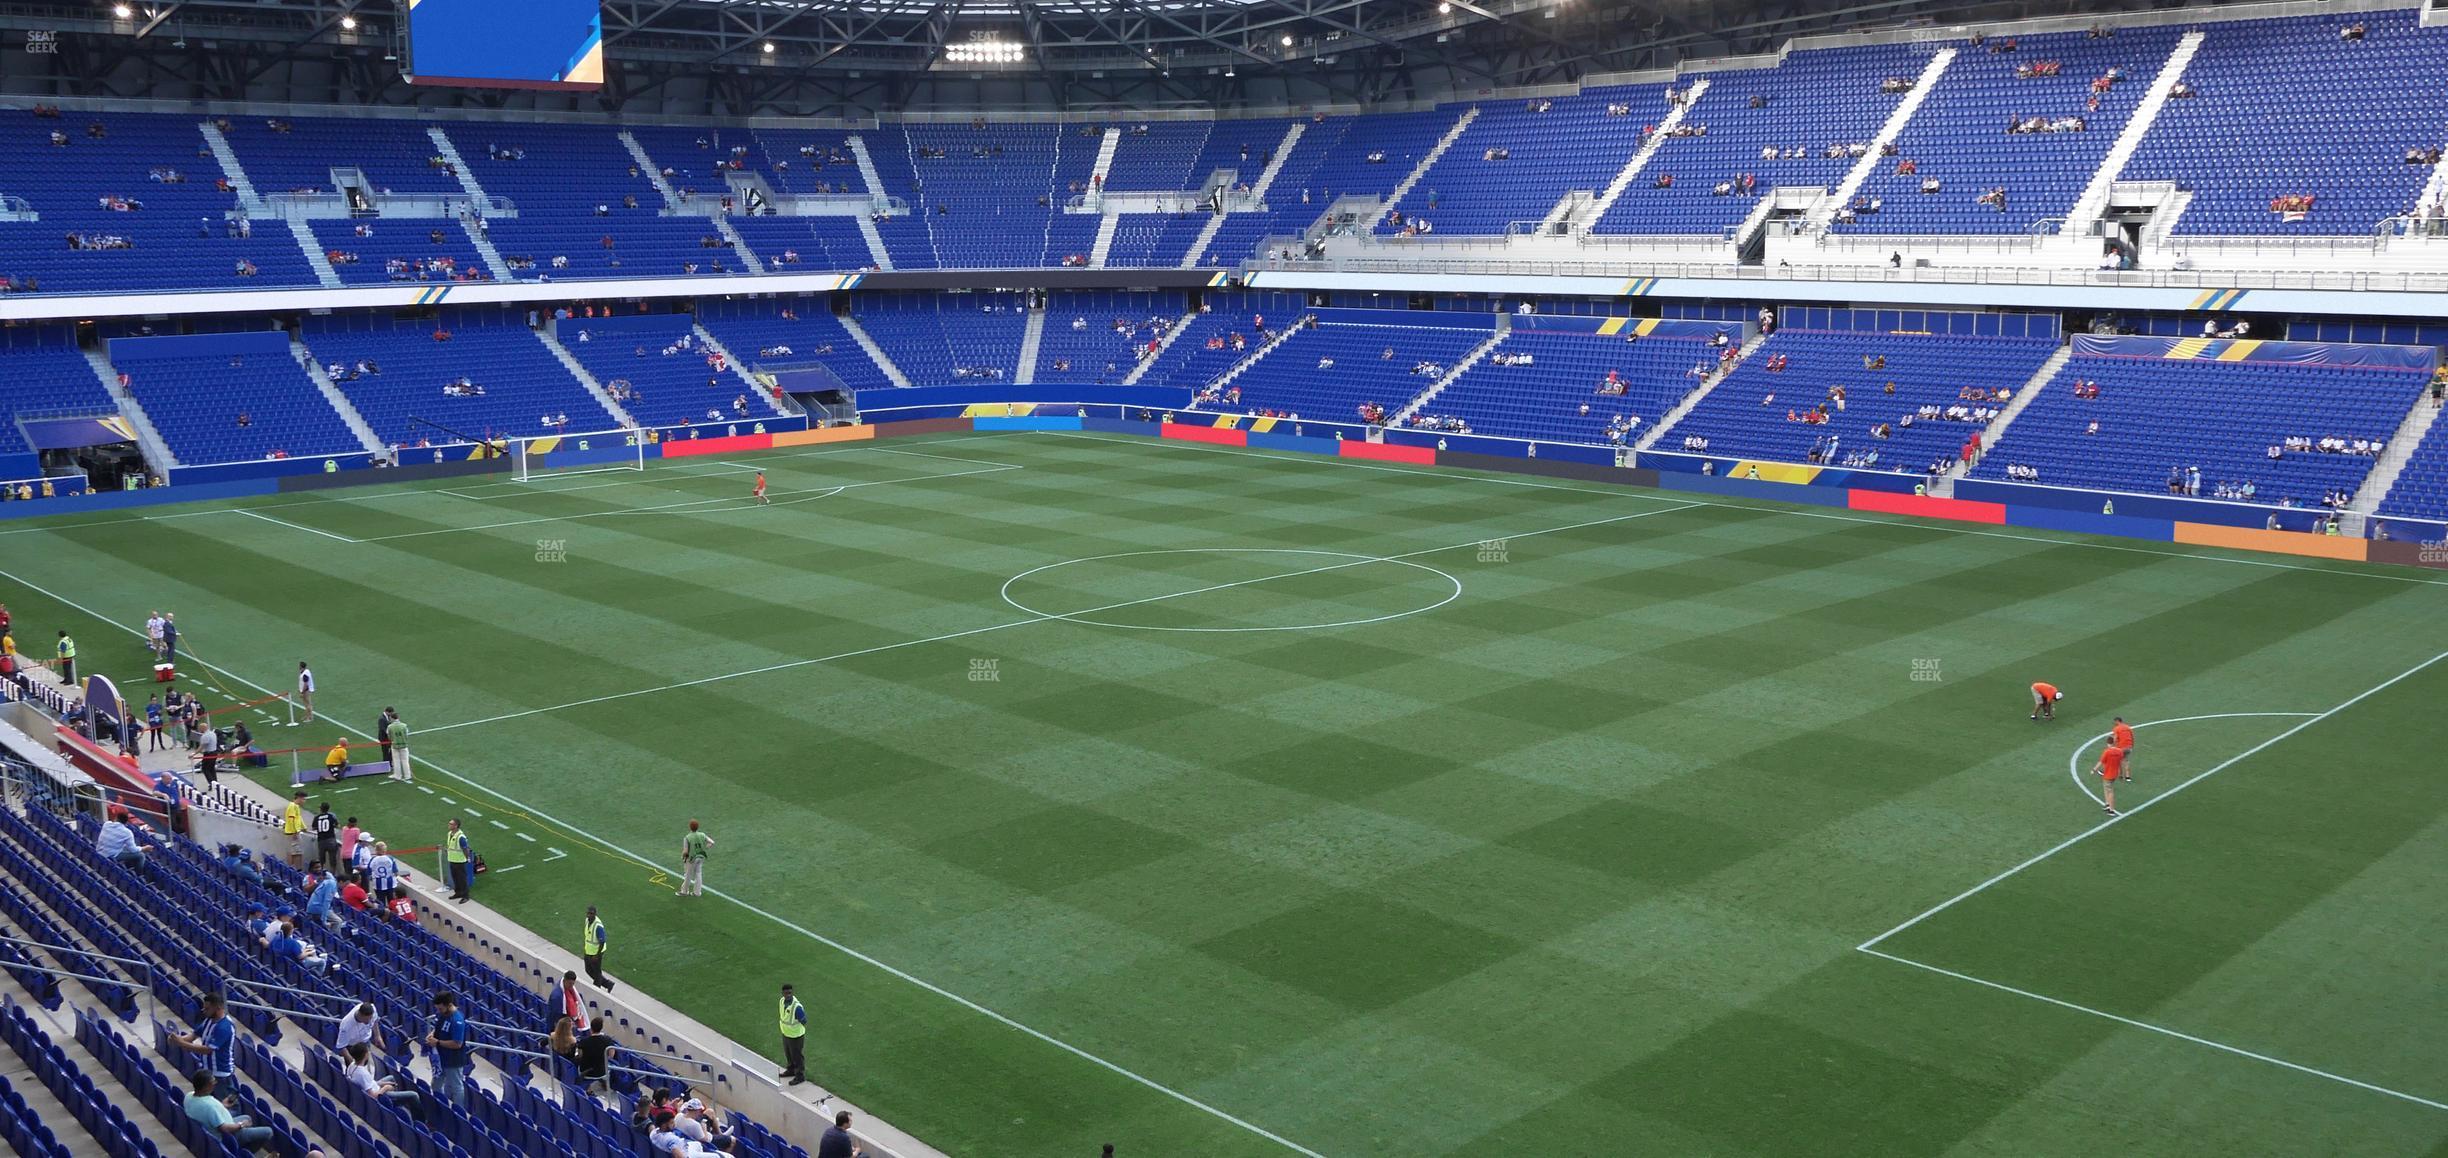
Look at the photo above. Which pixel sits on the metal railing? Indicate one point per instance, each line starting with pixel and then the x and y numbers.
pixel 2330 281
pixel 703 1067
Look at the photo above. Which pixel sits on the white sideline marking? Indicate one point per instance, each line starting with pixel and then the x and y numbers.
pixel 2136 810
pixel 2179 1035
pixel 2074 762
pixel 293 526
pixel 416 491
pixel 1041 618
pixel 1799 513
pixel 819 938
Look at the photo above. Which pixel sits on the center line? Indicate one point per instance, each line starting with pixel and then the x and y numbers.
pixel 949 636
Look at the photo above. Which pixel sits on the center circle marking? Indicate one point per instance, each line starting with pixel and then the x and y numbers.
pixel 1354 560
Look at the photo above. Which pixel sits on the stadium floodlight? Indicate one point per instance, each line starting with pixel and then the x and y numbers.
pixel 122 11
pixel 983 51
pixel 1287 40
pixel 769 48
pixel 348 23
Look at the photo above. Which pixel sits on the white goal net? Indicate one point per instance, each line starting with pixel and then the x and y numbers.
pixel 573 454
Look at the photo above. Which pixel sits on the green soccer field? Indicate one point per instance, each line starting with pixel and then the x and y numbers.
pixel 1213 802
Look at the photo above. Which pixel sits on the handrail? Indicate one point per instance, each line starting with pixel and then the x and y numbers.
pixel 518 1029
pixel 99 956
pixel 472 1044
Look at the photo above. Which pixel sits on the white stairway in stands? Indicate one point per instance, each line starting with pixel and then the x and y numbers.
pixel 316 259
pixel 1172 335
pixel 331 393
pixel 1445 379
pixel 1640 160
pixel 484 248
pixel 764 399
pixel 1666 421
pixel 2025 395
pixel 874 181
pixel 1105 157
pixel 1887 134
pixel 2094 199
pixel 148 437
pixel 230 168
pixel 450 155
pixel 1196 255
pixel 1030 338
pixel 1429 160
pixel 875 352
pixel 1261 352
pixel 584 376
pixel 2383 476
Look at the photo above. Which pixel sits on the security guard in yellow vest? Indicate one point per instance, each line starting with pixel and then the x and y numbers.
pixel 67 659
pixel 592 941
pixel 794 1038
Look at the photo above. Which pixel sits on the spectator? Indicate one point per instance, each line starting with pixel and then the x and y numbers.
pixel 360 1073
pixel 837 1141
pixel 593 1053
pixel 210 1112
pixel 216 1037
pixel 322 891
pixel 117 842
pixel 448 1039
pixel 357 1028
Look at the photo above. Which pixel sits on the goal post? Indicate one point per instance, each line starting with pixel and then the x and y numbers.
pixel 594 452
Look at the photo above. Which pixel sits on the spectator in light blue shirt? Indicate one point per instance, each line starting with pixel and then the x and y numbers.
pixel 322 890
pixel 214 1115
pixel 118 842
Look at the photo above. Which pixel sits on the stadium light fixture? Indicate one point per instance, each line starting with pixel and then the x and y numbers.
pixel 769 48
pixel 1287 40
pixel 985 51
pixel 348 23
pixel 122 11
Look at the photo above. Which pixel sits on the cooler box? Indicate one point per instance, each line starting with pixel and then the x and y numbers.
pixel 164 672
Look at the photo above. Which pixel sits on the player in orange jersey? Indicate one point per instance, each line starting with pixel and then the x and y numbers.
pixel 760 488
pixel 2044 701
pixel 2110 769
pixel 2121 736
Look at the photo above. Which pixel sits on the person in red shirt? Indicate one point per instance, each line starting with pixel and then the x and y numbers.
pixel 2044 700
pixel 760 488
pixel 353 895
pixel 2120 737
pixel 2110 769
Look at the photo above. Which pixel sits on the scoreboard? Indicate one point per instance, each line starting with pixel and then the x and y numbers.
pixel 555 44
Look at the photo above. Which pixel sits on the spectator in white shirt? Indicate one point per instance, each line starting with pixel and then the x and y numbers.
pixel 357 1028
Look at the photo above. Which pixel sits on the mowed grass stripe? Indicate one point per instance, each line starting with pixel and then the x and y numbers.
pixel 1291 871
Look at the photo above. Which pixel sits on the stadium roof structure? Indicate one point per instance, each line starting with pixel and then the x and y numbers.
pixel 864 58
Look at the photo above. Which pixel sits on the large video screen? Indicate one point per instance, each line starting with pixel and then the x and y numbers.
pixel 506 43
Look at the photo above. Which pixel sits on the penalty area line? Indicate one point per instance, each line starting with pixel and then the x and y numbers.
pixel 2137 810
pixel 2162 1030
